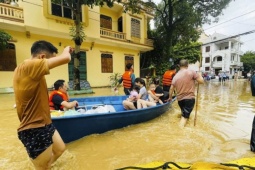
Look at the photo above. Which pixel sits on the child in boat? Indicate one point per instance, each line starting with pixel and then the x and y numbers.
pixel 151 91
pixel 133 94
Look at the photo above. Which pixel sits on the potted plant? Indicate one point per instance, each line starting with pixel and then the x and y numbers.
pixel 114 81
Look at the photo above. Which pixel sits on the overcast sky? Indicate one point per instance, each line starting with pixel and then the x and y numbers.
pixel 237 18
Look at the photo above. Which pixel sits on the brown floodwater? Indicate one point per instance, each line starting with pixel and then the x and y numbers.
pixel 222 133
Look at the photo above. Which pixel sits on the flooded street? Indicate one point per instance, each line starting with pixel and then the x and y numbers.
pixel 222 133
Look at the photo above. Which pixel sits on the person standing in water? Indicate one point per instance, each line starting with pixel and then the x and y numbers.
pixel 184 84
pixel 253 84
pixel 43 143
pixel 128 79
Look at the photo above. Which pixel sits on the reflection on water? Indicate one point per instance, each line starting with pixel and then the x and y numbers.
pixel 222 133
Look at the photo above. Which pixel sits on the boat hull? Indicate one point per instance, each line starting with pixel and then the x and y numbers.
pixel 77 126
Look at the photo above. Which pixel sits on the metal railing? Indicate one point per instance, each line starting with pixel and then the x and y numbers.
pixel 12 13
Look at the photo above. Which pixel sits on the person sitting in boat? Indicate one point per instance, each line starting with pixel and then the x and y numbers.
pixel 142 95
pixel 59 98
pixel 128 79
pixel 134 94
pixel 155 95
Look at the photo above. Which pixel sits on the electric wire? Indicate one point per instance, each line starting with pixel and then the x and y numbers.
pixel 229 20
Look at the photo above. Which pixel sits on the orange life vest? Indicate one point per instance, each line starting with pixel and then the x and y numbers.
pixel 127 81
pixel 63 95
pixel 168 77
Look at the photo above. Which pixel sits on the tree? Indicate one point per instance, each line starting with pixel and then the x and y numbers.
pixel 248 60
pixel 4 38
pixel 178 21
pixel 77 33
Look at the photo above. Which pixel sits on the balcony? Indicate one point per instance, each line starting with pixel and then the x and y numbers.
pixel 148 42
pixel 106 33
pixel 236 63
pixel 236 51
pixel 11 13
pixel 217 64
pixel 112 34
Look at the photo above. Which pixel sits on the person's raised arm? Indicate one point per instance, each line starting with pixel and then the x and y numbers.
pixel 61 59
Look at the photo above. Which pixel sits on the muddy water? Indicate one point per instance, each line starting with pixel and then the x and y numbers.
pixel 222 133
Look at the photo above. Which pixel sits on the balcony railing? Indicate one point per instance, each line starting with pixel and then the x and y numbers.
pixel 12 13
pixel 148 42
pixel 236 63
pixel 217 63
pixel 112 34
pixel 106 33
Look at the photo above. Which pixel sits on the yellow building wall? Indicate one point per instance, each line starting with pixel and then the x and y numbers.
pixel 115 16
pixel 95 76
pixel 23 46
pixel 58 34
pixel 35 18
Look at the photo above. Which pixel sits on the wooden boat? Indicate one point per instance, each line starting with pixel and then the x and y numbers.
pixel 73 127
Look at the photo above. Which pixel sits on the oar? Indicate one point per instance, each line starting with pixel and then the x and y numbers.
pixel 195 119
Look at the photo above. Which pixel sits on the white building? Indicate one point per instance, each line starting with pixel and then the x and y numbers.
pixel 220 53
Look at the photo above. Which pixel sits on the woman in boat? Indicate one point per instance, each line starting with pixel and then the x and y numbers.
pixel 130 105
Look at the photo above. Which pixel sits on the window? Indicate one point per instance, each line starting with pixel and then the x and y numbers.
pixel 106 63
pixel 129 59
pixel 8 58
pixel 219 58
pixel 207 60
pixel 226 47
pixel 62 9
pixel 135 28
pixel 207 49
pixel 105 22
pixel 207 68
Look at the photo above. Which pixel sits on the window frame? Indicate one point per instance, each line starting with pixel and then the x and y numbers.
pixel 207 49
pixel 134 32
pixel 105 18
pixel 207 59
pixel 129 59
pixel 62 11
pixel 106 58
pixel 8 58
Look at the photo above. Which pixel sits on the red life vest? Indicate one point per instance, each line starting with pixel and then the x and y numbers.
pixel 168 77
pixel 127 81
pixel 63 95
